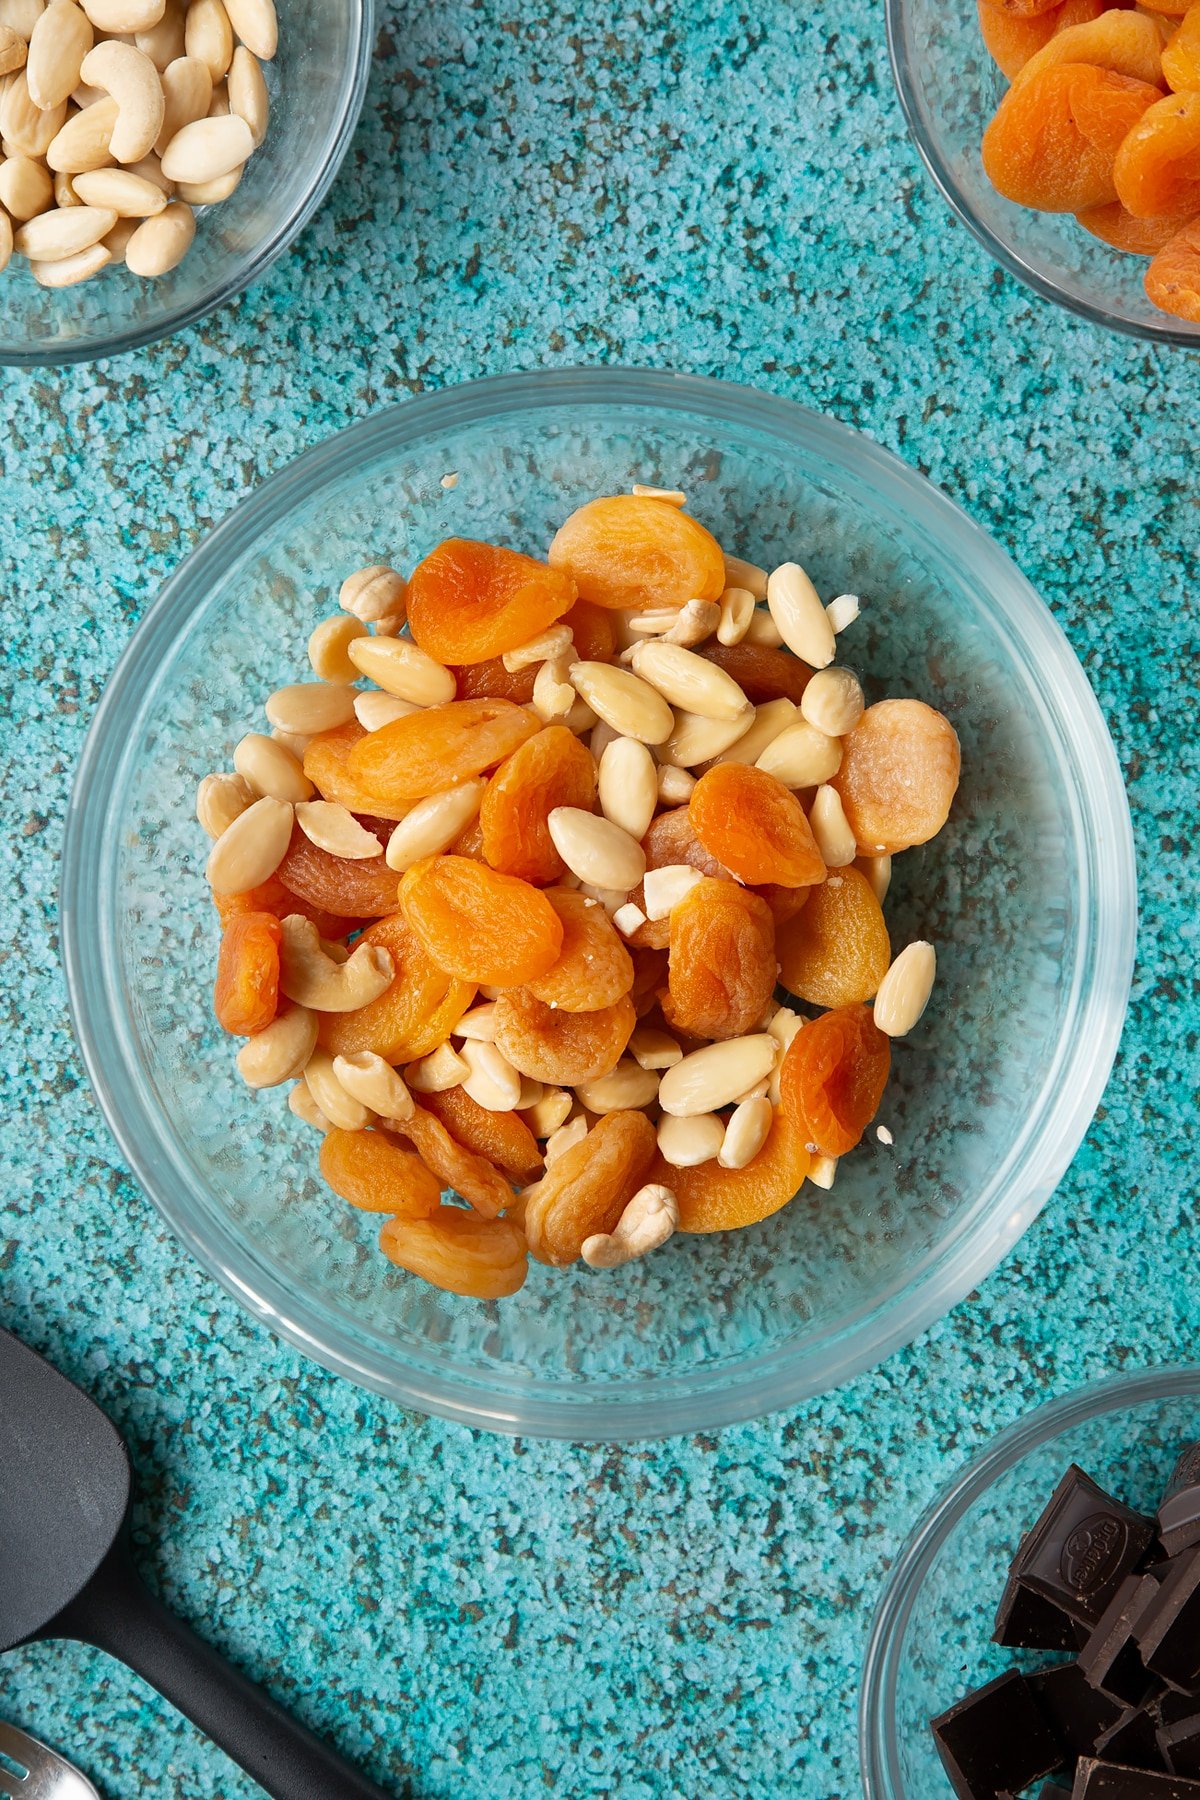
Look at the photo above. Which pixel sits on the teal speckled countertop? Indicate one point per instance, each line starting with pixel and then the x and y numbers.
pixel 723 189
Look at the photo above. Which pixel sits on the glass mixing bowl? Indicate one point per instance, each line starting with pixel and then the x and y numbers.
pixel 931 1639
pixel 1029 895
pixel 949 89
pixel 317 83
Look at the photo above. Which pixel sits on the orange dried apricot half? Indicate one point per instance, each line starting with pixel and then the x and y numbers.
pixel 272 897
pixel 370 1171
pixel 468 601
pixel 592 629
pixel 755 826
pixel 416 1013
pixel 587 1188
pixel 833 1077
pixel 1054 139
pixel 1173 279
pixel 593 969
pixel 627 551
pixel 715 1199
pixel 1127 43
pixel 327 765
pixel 338 884
pixel 503 1138
pixel 562 1048
pixel 899 775
pixel 490 680
pixel 1181 57
pixel 435 749
pixel 551 769
pixel 246 996
pixel 837 951
pixel 1137 237
pixel 470 1175
pixel 1157 168
pixel 482 1259
pixel 478 924
pixel 721 972
pixel 762 673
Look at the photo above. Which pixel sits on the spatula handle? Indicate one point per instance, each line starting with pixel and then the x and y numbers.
pixel 117 1613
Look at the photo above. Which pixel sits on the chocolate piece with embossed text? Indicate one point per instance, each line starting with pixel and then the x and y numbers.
pixel 1082 1547
pixel 1179 1508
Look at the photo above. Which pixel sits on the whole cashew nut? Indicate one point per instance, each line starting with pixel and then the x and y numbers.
pixel 311 978
pixel 132 80
pixel 281 1052
pixel 647 1222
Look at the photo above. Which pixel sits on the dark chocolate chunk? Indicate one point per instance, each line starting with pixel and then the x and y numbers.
pixel 1075 1712
pixel 1110 1781
pixel 1180 1746
pixel 1054 1791
pixel 1110 1659
pixel 1028 1621
pixel 996 1740
pixel 1133 1740
pixel 1168 1634
pixel 1082 1547
pixel 1179 1509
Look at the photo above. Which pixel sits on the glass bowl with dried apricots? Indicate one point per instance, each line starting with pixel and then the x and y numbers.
pixel 582 861
pixel 1066 135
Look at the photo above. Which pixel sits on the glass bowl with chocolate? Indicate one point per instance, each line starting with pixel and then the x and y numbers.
pixel 1040 1633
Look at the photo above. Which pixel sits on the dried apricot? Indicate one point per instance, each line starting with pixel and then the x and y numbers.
pixel 1024 9
pixel 415 1015
pixel 472 1176
pixel 482 1259
pixel 837 951
pixel 721 973
pixel 274 898
pixel 650 968
pixel 594 969
pixel 558 1047
pixel 327 765
pixel 434 749
pixel 833 1077
pixel 502 1137
pixel 470 843
pixel 1173 279
pixel 671 838
pixel 1054 140
pixel 899 775
pixel 784 902
pixel 478 924
pixel 338 884
pixel 490 680
pixel 627 551
pixel 587 1188
pixel 762 673
pixel 755 825
pixel 715 1199
pixel 370 1171
pixel 1011 40
pixel 592 629
pixel 1181 58
pixel 468 602
pixel 1127 43
pixel 246 997
pixel 551 769
pixel 1137 237
pixel 1157 170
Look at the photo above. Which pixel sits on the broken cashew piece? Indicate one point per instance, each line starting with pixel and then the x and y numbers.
pixel 647 1222
pixel 131 79
pixel 311 978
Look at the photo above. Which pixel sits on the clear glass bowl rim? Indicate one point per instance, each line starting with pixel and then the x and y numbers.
pixel 959 203
pixel 762 1383
pixel 354 91
pixel 878 1746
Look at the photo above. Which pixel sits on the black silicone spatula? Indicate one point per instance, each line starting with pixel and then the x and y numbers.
pixel 65 1572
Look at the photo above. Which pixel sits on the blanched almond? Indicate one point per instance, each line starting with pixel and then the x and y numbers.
pixel 307 707
pixel 402 668
pixel 796 609
pixel 160 244
pixel 905 989
pixel 628 785
pixel 739 573
pixel 130 196
pixel 335 829
pixel 747 1131
pixel 69 271
pixel 831 829
pixel 737 610
pixel 771 718
pixel 689 681
pixel 492 1082
pixel 268 767
pixel 250 850
pixel 373 711
pixel 26 188
pixel 652 1049
pixel 685 1143
pixel 695 739
pixel 61 39
pixel 624 701
pixel 714 1076
pixel 220 799
pixel 84 141
pixel 254 22
pixel 329 648
pixel 833 701
pixel 596 850
pixel 51 236
pixel 433 824
pixel 625 1089
pixel 801 756
pixel 207 148
pixel 248 96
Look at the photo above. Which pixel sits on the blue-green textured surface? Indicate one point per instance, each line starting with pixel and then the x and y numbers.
pixel 722 189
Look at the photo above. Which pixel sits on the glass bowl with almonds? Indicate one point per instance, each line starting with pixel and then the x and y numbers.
pixel 159 155
pixel 584 1085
